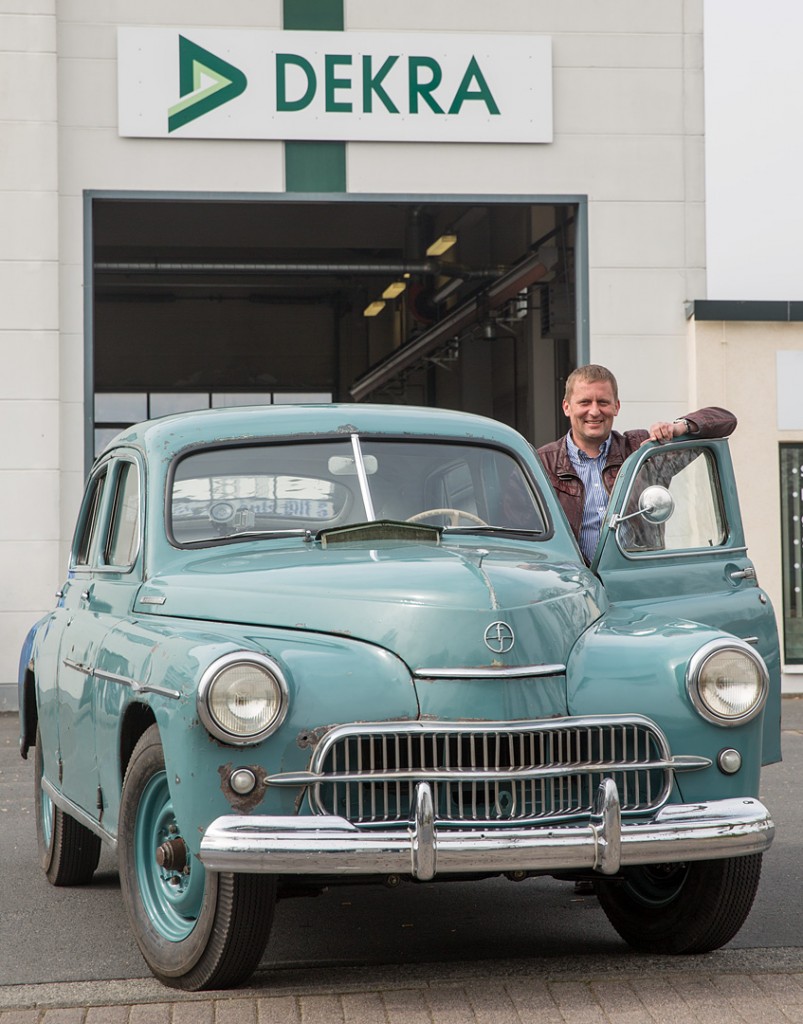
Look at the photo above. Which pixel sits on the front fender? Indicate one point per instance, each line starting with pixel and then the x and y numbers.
pixel 635 662
pixel 330 680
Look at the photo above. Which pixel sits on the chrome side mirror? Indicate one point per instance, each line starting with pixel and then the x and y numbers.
pixel 656 504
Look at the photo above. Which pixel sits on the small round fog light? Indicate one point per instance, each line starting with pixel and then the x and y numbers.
pixel 242 781
pixel 729 761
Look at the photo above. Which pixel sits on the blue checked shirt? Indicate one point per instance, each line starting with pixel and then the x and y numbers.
pixel 595 499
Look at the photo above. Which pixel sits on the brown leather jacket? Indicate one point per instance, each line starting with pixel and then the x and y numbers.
pixel 710 422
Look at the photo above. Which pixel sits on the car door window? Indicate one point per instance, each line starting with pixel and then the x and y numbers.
pixel 86 536
pixel 698 518
pixel 121 550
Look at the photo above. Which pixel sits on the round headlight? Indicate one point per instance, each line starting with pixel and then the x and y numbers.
pixel 727 681
pixel 242 698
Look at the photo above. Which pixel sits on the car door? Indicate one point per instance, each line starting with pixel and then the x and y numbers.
pixel 97 594
pixel 695 564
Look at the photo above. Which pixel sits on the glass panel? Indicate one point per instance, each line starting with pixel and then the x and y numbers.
pixel 86 532
pixel 163 403
pixel 124 532
pixel 221 493
pixel 697 520
pixel 225 401
pixel 791 540
pixel 120 406
pixel 302 398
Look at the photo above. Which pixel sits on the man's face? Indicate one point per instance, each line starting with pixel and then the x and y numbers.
pixel 591 408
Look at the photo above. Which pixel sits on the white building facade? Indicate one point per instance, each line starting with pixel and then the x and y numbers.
pixel 149 263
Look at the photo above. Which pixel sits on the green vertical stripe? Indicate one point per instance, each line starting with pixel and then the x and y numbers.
pixel 314 166
pixel 323 15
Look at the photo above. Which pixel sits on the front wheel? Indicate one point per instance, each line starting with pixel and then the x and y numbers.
pixel 68 851
pixel 196 929
pixel 681 908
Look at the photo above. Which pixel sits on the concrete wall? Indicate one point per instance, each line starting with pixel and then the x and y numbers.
pixel 29 325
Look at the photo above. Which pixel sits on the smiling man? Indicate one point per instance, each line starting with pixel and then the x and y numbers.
pixel 584 464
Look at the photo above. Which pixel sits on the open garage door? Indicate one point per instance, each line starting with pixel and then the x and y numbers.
pixel 468 305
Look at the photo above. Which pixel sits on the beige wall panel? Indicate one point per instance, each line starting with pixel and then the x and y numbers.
pixel 35 429
pixel 612 101
pixel 71 426
pixel 35 513
pixel 694 171
pixel 88 93
pixel 242 13
pixel 631 50
pixel 649 370
pixel 71 489
pixel 637 234
pixel 71 366
pixel 71 299
pixel 694 224
pixel 28 156
pixel 25 31
pixel 30 296
pixel 27 86
pixel 642 302
pixel 30 366
pixel 32 588
pixel 641 415
pixel 29 225
pixel 519 15
pixel 626 168
pixel 101 160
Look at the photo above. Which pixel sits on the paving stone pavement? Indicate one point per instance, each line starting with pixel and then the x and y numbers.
pixel 768 991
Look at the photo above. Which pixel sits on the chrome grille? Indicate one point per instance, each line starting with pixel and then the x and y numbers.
pixel 511 771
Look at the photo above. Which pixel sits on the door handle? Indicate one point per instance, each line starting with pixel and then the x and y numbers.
pixel 744 574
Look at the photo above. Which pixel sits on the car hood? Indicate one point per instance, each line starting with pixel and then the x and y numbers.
pixel 430 605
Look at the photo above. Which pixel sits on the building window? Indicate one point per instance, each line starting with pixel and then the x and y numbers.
pixel 792 556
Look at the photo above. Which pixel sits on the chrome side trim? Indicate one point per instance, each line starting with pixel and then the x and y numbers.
pixel 66 805
pixel 502 672
pixel 137 687
pixel 323 845
pixel 76 666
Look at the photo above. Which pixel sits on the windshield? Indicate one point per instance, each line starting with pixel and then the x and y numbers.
pixel 231 492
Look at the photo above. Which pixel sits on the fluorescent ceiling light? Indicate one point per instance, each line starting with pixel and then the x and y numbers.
pixel 373 308
pixel 441 245
pixel 394 289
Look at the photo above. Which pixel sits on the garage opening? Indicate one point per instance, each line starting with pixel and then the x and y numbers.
pixel 197 303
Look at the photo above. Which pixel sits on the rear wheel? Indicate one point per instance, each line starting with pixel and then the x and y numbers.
pixel 196 929
pixel 68 851
pixel 681 908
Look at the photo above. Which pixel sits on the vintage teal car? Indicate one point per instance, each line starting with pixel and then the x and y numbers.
pixel 301 646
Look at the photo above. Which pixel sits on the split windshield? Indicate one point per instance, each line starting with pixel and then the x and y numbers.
pixel 230 492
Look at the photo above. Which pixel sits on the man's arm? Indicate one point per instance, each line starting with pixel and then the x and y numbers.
pixel 712 421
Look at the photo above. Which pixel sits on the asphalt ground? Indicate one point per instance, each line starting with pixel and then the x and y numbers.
pixel 758 982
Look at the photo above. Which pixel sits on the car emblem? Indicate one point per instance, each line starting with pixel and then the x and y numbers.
pixel 499 637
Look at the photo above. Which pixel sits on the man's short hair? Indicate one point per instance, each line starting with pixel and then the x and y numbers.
pixel 593 373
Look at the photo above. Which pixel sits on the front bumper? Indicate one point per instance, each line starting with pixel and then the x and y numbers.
pixel 329 845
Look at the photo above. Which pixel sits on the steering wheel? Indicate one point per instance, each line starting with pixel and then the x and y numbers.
pixel 454 515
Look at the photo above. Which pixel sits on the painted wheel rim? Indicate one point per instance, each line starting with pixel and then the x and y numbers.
pixel 657 885
pixel 171 899
pixel 46 816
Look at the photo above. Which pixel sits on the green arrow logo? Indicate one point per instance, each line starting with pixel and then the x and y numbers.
pixel 196 64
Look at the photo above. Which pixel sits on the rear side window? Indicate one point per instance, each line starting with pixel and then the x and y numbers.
pixel 86 536
pixel 124 528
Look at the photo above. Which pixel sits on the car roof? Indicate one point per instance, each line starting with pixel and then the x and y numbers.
pixel 171 434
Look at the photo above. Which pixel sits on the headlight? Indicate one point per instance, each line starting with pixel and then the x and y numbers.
pixel 727 681
pixel 242 697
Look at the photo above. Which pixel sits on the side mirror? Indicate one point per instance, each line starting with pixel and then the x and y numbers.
pixel 656 504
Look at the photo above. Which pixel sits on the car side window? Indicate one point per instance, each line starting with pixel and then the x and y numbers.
pixel 121 549
pixel 698 518
pixel 89 520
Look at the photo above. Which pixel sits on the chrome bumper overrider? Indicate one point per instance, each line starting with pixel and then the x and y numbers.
pixel 328 845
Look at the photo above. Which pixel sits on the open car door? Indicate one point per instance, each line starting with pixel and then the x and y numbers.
pixel 673 539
